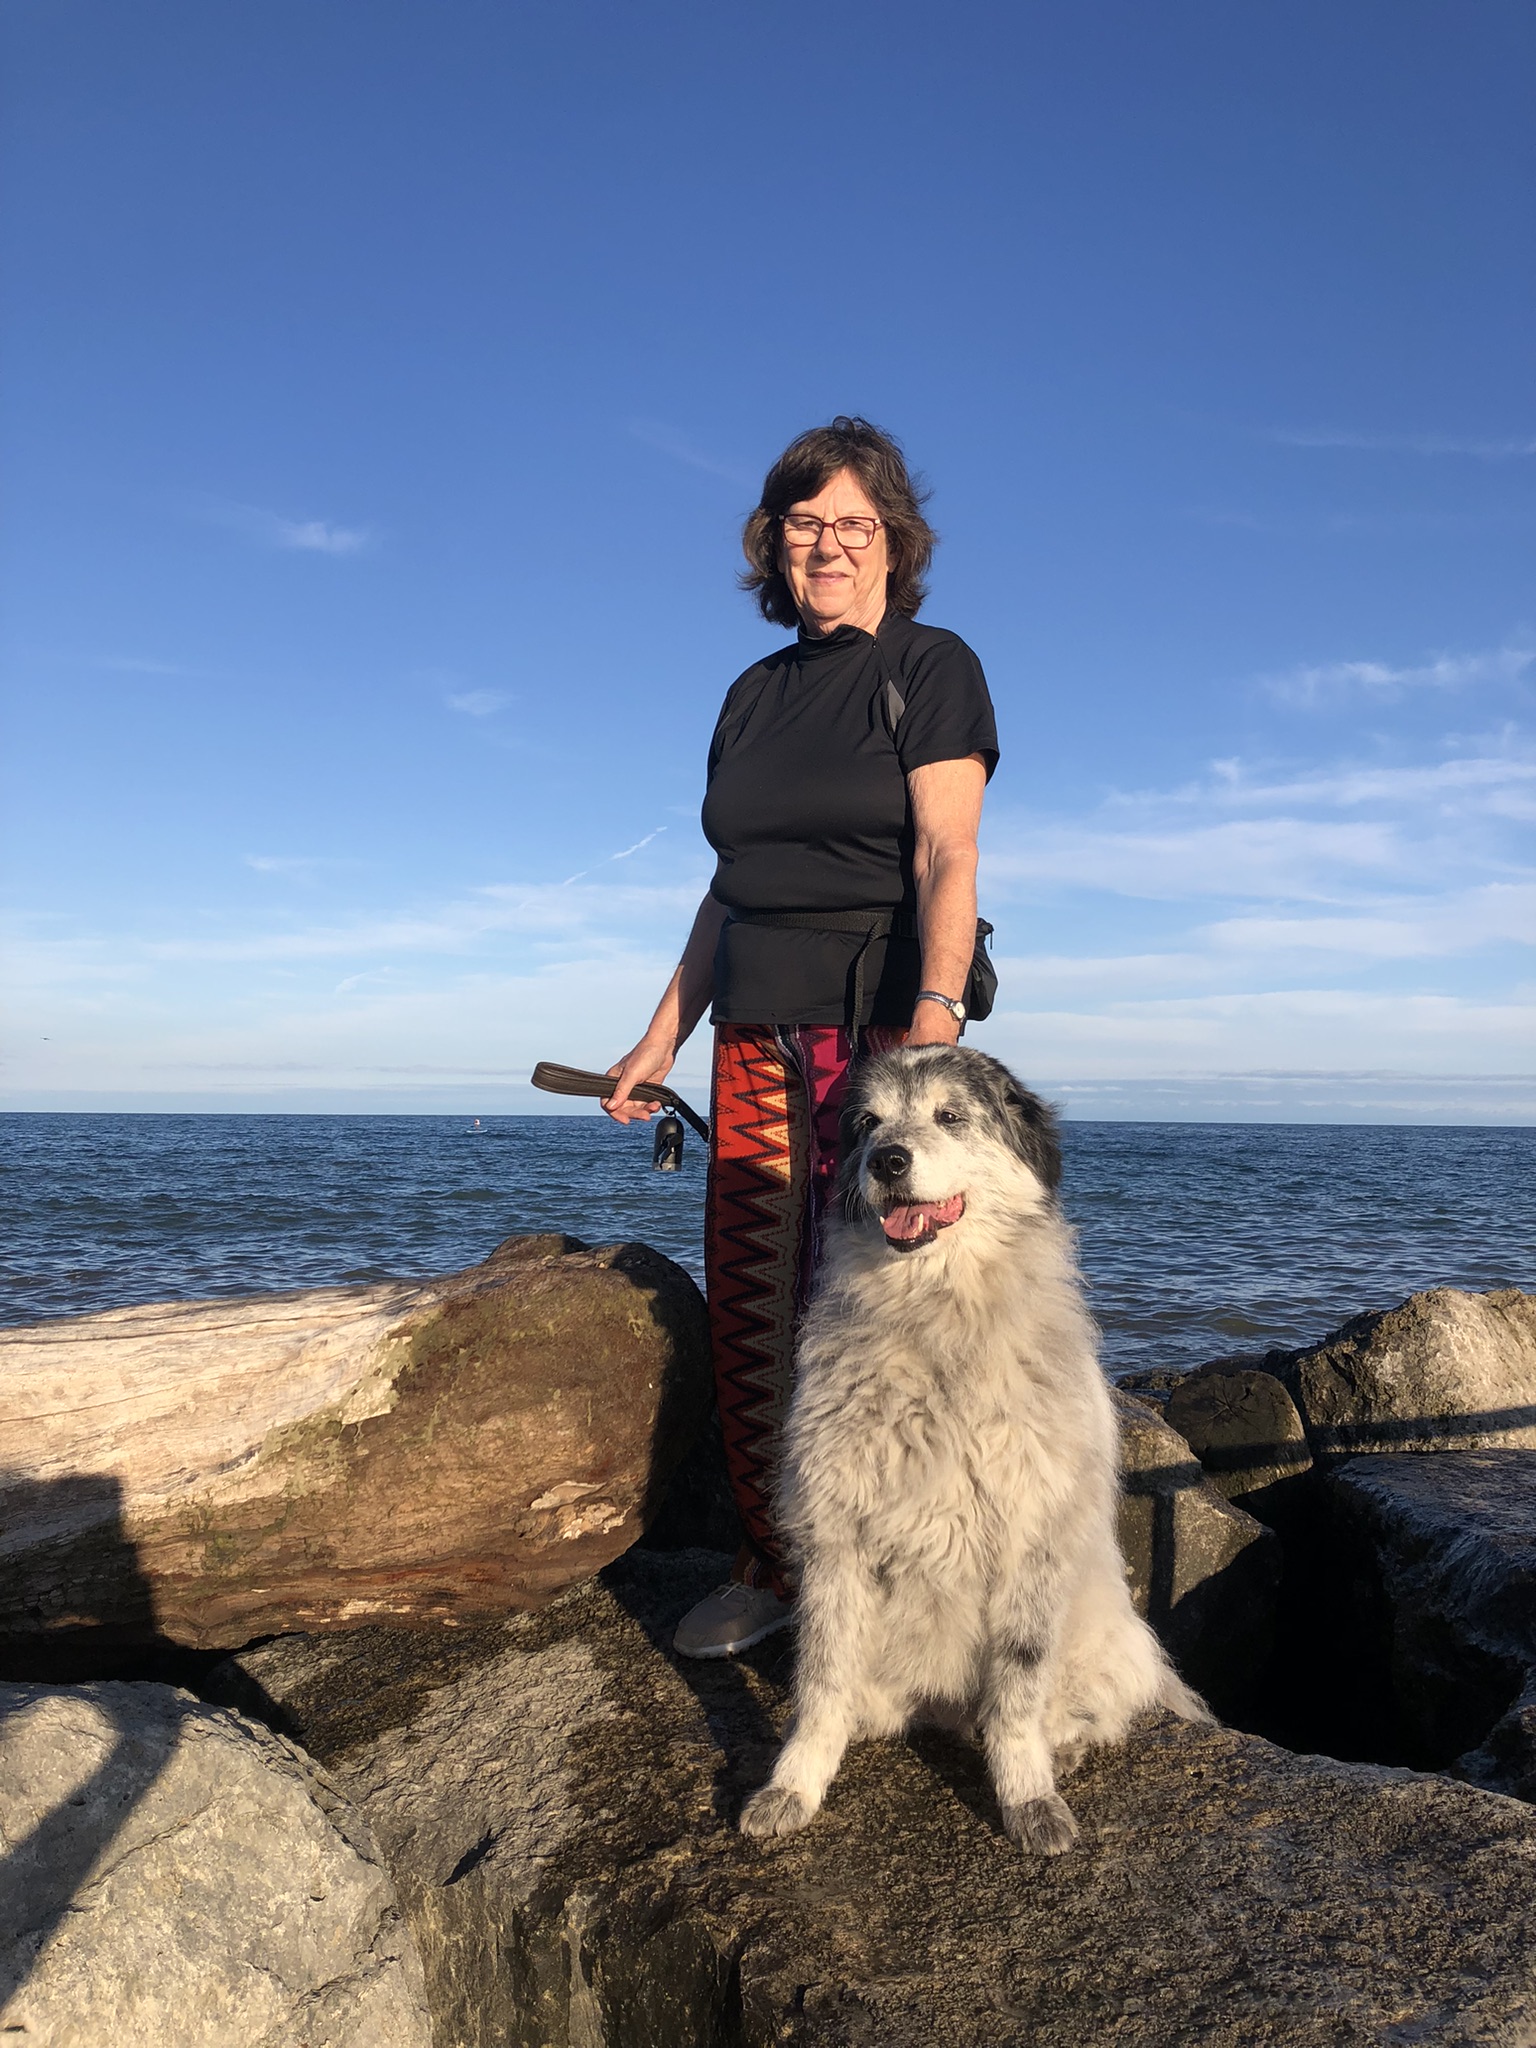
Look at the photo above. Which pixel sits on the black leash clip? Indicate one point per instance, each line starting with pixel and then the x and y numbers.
pixel 667 1152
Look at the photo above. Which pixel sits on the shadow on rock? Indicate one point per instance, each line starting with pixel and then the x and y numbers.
pixel 47 1862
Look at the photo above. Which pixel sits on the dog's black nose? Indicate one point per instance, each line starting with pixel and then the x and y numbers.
pixel 890 1162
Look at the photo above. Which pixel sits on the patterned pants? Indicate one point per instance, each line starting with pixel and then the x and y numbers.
pixel 773 1160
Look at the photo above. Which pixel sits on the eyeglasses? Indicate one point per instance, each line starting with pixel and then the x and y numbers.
pixel 804 529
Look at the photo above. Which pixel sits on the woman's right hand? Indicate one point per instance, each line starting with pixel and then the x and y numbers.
pixel 684 1003
pixel 651 1060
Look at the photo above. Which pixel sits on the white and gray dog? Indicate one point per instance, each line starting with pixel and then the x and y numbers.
pixel 950 1469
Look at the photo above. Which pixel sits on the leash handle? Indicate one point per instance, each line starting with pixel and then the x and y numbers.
pixel 557 1080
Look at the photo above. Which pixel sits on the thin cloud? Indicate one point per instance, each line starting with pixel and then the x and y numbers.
pixel 1332 834
pixel 295 867
pixel 1294 859
pixel 582 873
pixel 279 864
pixel 479 703
pixel 553 913
pixel 1324 682
pixel 1493 779
pixel 653 434
pixel 1510 449
pixel 320 537
pixel 1405 928
pixel 271 529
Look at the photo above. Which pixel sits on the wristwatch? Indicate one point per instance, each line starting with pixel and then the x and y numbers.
pixel 951 1003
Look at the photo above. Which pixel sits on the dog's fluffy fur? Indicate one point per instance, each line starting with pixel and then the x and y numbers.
pixel 950 1467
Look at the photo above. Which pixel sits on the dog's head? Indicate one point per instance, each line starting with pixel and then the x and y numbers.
pixel 934 1133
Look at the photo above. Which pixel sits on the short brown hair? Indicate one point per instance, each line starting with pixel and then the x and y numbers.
pixel 800 472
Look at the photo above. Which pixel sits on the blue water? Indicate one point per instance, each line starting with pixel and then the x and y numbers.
pixel 1198 1239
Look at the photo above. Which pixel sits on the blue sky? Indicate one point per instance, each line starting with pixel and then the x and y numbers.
pixel 387 383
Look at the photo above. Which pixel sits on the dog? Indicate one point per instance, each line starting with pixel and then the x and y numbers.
pixel 950 1469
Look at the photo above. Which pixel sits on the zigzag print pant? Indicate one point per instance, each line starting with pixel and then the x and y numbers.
pixel 773 1159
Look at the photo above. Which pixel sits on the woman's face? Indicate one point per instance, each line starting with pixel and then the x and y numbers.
pixel 834 585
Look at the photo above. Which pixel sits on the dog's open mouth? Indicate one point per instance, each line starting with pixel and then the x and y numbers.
pixel 910 1224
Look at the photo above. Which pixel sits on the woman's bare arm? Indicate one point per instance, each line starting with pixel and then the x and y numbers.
pixel 688 996
pixel 946 815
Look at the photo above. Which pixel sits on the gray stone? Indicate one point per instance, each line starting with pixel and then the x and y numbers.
pixel 1156 1383
pixel 1442 1554
pixel 558 1799
pixel 1202 1571
pixel 1444 1371
pixel 174 1875
pixel 1244 1428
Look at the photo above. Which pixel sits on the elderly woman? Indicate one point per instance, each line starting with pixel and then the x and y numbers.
pixel 845 785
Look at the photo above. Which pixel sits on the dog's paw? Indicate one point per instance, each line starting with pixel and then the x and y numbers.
pixel 1044 1826
pixel 776 1810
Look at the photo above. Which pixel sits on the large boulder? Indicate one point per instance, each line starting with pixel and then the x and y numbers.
pixel 1243 1427
pixel 1202 1572
pixel 175 1875
pixel 1440 1557
pixel 209 1472
pixel 557 1799
pixel 1444 1371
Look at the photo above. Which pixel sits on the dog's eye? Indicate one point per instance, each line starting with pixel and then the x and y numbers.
pixel 948 1116
pixel 864 1123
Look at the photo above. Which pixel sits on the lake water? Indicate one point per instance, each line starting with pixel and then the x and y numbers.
pixel 1197 1239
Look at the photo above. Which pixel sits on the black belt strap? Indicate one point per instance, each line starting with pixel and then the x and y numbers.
pixel 868 924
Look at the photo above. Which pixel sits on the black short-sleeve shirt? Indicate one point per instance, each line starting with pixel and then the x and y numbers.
pixel 807 809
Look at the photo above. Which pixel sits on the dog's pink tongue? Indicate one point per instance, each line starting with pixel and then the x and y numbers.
pixel 911 1219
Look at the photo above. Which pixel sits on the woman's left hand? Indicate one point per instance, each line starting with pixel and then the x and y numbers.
pixel 932 1025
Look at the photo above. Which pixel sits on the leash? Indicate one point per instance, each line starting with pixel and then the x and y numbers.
pixel 558 1080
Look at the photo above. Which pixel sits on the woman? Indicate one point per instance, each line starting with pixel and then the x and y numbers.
pixel 845 786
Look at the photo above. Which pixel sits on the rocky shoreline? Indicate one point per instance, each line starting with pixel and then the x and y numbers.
pixel 493 1826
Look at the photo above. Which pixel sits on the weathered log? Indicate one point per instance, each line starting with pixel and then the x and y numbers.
pixel 210 1472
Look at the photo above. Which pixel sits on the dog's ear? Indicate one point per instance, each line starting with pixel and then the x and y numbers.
pixel 1032 1129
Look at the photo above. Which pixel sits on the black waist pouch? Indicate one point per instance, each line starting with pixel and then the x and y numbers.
pixel 980 983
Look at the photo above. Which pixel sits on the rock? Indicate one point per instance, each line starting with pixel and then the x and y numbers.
pixel 1156 1383
pixel 1244 1429
pixel 177 1876
pixel 1442 1555
pixel 1444 1371
pixel 209 1472
pixel 557 1800
pixel 698 1511
pixel 1202 1572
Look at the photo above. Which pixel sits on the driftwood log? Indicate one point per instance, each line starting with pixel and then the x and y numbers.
pixel 210 1472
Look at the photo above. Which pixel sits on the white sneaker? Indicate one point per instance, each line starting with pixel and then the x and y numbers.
pixel 731 1618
